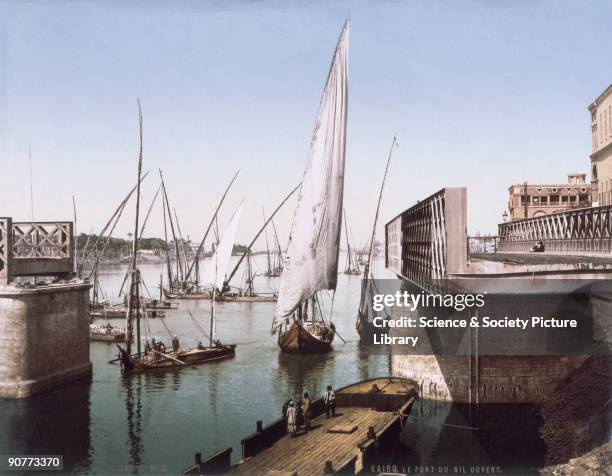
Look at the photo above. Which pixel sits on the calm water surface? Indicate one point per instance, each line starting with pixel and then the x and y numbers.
pixel 154 422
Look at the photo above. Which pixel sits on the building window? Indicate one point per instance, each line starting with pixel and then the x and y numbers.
pixel 554 199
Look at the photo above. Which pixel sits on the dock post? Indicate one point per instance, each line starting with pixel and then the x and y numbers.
pixel 259 426
pixel 198 458
pixel 329 468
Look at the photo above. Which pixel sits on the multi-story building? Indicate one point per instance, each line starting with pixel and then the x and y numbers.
pixel 529 200
pixel 601 158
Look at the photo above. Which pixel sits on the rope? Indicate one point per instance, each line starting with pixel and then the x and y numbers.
pixel 437 423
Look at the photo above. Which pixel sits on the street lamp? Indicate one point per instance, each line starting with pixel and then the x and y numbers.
pixel 505 216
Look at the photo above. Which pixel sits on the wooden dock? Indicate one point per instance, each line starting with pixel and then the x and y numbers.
pixel 369 417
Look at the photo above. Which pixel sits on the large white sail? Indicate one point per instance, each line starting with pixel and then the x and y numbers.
pixel 219 263
pixel 312 255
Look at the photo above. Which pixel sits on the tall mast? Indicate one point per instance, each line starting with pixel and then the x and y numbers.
pixel 269 271
pixel 380 194
pixel 213 220
pixel 179 267
pixel 278 245
pixel 182 247
pixel 348 245
pixel 231 275
pixel 135 278
pixel 168 264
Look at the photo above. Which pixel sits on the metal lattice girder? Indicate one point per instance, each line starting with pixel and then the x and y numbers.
pixel 585 229
pixel 427 242
pixel 35 249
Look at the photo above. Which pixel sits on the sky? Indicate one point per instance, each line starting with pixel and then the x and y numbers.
pixel 481 94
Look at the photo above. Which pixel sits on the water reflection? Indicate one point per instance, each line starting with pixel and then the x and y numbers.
pixel 57 423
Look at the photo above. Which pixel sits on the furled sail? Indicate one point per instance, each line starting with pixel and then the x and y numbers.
pixel 220 261
pixel 312 255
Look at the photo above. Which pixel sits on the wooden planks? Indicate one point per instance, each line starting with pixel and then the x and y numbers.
pixel 306 454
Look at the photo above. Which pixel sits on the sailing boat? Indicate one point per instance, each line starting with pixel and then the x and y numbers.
pixel 352 266
pixel 311 265
pixel 364 323
pixel 156 357
pixel 224 292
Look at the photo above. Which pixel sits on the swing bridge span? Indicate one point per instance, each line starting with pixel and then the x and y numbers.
pixel 428 249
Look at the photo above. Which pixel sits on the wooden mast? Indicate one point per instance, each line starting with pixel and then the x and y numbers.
pixel 210 224
pixel 231 275
pixel 135 278
pixel 269 270
pixel 179 267
pixel 168 264
pixel 348 245
pixel 280 251
pixel 366 271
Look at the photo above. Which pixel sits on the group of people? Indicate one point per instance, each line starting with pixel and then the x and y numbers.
pixel 157 346
pixel 303 411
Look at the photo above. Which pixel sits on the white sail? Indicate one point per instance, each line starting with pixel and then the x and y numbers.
pixel 312 255
pixel 219 263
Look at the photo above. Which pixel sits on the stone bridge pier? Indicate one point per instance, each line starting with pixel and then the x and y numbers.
pixel 44 326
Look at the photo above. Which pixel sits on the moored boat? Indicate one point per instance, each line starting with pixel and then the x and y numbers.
pixel 107 333
pixel 161 360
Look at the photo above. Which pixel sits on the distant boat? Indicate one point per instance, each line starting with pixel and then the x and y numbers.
pixel 364 324
pixel 311 264
pixel 107 333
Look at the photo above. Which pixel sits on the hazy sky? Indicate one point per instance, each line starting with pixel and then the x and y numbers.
pixel 482 94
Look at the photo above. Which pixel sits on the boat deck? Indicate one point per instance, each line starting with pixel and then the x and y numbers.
pixel 307 452
pixel 363 417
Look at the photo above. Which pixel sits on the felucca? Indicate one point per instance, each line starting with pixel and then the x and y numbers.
pixel 311 265
pixel 155 357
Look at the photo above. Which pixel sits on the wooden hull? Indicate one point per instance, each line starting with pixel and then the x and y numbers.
pixel 365 328
pixel 103 337
pixel 121 314
pixel 221 297
pixel 183 358
pixel 160 305
pixel 109 313
pixel 299 339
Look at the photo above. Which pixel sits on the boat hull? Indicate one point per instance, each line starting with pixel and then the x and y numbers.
pixel 178 359
pixel 300 340
pixel 222 297
pixel 101 337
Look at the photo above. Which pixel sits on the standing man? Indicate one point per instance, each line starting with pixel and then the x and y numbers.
pixel 291 416
pixel 329 398
pixel 175 343
pixel 306 411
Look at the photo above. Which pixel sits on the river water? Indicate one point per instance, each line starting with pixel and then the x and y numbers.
pixel 153 423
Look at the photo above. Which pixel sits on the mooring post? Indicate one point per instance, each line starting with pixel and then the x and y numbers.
pixel 329 468
pixel 259 426
pixel 371 433
pixel 198 458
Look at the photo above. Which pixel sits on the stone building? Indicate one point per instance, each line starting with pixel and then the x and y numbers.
pixel 533 200
pixel 601 158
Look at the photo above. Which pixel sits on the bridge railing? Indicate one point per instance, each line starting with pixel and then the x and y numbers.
pixel 35 248
pixel 585 230
pixel 427 242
